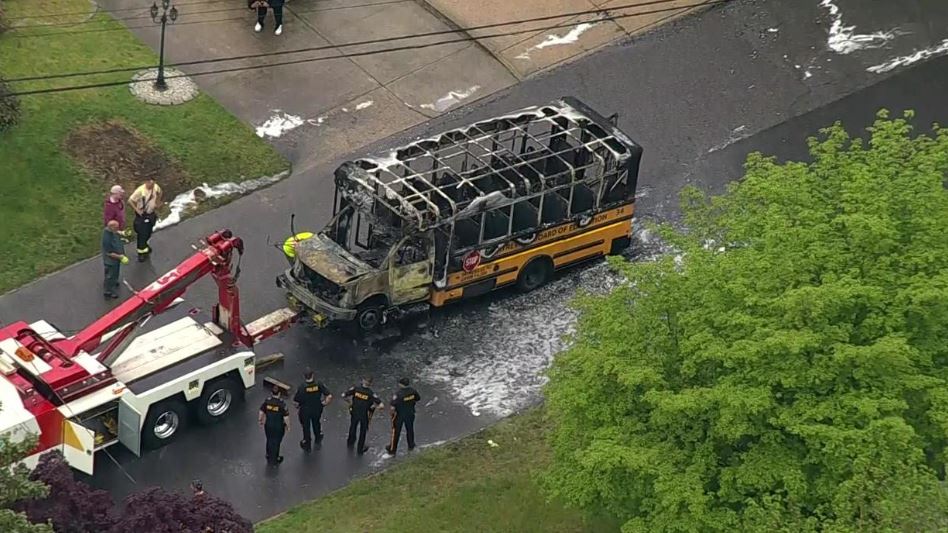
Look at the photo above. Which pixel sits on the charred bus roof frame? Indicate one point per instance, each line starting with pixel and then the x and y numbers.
pixel 428 198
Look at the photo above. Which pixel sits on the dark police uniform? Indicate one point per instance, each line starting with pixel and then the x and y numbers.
pixel 364 402
pixel 309 396
pixel 403 402
pixel 274 410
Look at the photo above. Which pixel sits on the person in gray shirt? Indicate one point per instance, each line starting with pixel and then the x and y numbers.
pixel 113 256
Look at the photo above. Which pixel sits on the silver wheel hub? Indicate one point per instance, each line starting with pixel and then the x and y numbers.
pixel 219 402
pixel 166 424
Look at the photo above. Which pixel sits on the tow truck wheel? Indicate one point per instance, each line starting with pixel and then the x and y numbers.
pixel 165 421
pixel 537 272
pixel 216 400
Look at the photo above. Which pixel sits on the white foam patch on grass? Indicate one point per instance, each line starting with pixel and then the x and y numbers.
pixel 188 200
pixel 844 39
pixel 451 99
pixel 278 125
pixel 915 57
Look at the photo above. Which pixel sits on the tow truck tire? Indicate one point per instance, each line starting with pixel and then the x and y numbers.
pixel 536 274
pixel 217 400
pixel 165 421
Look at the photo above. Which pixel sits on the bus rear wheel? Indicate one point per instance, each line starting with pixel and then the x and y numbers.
pixel 537 273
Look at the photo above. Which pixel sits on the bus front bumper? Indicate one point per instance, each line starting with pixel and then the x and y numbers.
pixel 318 310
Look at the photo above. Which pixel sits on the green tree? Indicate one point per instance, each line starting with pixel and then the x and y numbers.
pixel 15 486
pixel 787 371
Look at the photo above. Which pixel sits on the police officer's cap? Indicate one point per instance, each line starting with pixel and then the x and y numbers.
pixel 308 373
pixel 403 382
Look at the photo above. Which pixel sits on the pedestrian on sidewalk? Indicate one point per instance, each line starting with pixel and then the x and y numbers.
pixel 261 6
pixel 310 398
pixel 402 408
pixel 115 207
pixel 145 201
pixel 113 256
pixel 362 404
pixel 274 418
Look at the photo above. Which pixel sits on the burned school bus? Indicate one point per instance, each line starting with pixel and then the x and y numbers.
pixel 505 201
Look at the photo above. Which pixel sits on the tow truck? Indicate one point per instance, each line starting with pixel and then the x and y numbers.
pixel 110 383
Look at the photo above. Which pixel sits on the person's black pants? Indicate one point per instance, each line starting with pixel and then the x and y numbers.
pixel 397 423
pixel 277 15
pixel 144 226
pixel 358 423
pixel 310 420
pixel 111 282
pixel 274 439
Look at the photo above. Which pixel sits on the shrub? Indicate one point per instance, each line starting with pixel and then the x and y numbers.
pixel 72 506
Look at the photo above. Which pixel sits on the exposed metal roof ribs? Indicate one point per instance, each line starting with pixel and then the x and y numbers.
pixel 489 164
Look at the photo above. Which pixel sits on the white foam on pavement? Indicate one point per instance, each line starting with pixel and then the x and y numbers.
pixel 364 105
pixel 278 125
pixel 552 39
pixel 494 360
pixel 844 39
pixel 919 55
pixel 451 99
pixel 187 200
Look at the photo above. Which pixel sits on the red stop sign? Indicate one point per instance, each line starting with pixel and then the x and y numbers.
pixel 471 260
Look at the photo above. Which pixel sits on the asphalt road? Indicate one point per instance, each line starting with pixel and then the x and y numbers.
pixel 698 95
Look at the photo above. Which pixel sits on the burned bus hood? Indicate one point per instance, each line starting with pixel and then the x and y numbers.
pixel 330 260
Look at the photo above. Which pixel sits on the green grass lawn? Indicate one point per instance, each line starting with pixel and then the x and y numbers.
pixel 50 206
pixel 468 485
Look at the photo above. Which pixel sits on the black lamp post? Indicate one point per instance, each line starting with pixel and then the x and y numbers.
pixel 166 15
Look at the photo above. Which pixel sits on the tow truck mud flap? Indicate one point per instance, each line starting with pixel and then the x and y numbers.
pixel 78 446
pixel 130 428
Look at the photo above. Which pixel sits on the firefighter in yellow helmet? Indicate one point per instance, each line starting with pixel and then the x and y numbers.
pixel 289 245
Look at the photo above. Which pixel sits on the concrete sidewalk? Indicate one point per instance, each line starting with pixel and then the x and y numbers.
pixel 371 68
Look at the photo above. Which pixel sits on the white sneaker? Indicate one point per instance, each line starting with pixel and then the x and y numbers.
pixel 258 28
pixel 278 31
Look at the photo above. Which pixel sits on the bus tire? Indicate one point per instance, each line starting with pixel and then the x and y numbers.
pixel 369 315
pixel 165 421
pixel 217 400
pixel 535 274
pixel 619 245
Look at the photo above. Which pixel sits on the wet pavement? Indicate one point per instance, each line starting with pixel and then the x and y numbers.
pixel 698 95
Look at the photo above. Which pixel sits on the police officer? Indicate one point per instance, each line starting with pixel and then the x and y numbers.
pixel 275 419
pixel 309 400
pixel 402 407
pixel 362 404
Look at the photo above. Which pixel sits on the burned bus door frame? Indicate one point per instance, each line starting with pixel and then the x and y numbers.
pixel 411 282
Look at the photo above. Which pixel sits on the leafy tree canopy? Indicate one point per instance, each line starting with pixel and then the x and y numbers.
pixel 788 371
pixel 16 485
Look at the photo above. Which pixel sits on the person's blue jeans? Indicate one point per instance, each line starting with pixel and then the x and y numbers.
pixel 111 283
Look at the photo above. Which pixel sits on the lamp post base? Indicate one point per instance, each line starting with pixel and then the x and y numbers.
pixel 178 87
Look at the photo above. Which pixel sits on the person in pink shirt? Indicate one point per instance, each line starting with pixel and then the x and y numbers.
pixel 115 207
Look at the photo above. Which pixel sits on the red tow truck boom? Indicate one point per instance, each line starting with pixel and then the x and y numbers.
pixel 49 379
